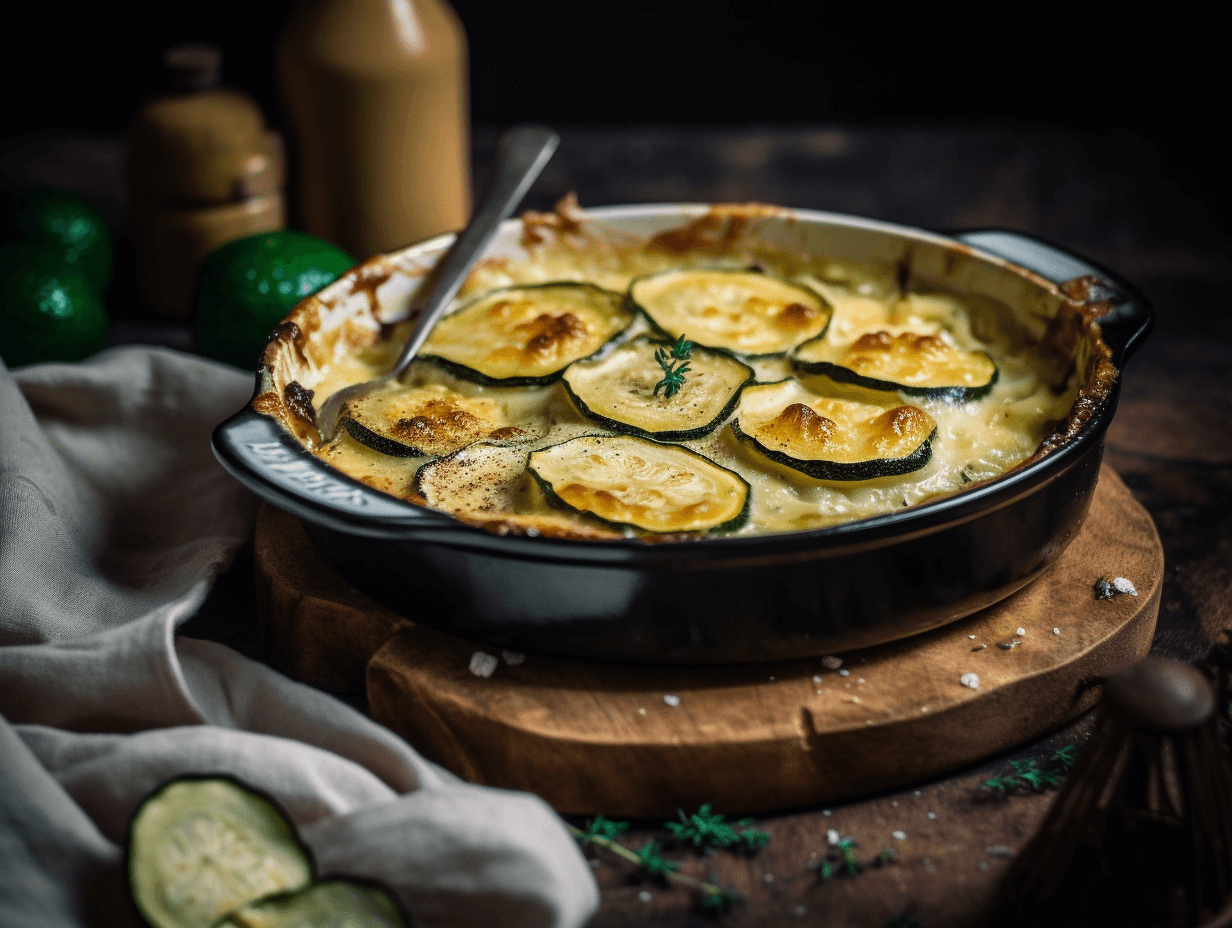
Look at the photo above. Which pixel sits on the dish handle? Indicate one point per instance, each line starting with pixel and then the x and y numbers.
pixel 1131 318
pixel 260 454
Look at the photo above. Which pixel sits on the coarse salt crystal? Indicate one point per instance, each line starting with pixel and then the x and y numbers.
pixel 1121 585
pixel 831 662
pixel 859 679
pixel 972 637
pixel 855 698
pixel 1056 631
pixel 932 815
pixel 899 835
pixel 1020 632
pixel 844 673
pixel 970 680
pixel 816 679
pixel 671 700
pixel 826 813
pixel 513 658
pixel 483 665
pixel 644 896
pixel 832 836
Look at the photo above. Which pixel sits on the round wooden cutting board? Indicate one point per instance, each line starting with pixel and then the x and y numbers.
pixel 633 741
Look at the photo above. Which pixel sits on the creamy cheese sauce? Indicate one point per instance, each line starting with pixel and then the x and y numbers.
pixel 975 441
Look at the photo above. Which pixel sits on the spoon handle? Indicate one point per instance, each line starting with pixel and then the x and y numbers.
pixel 521 154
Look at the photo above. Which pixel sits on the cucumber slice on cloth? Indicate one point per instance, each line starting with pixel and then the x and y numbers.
pixel 200 849
pixel 328 904
pixel 744 312
pixel 520 336
pixel 618 391
pixel 832 439
pixel 907 363
pixel 634 481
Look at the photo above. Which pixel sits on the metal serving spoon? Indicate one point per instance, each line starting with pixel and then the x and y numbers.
pixel 521 154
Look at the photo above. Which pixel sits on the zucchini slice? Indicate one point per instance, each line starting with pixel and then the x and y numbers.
pixel 909 363
pixel 740 311
pixel 479 480
pixel 327 904
pixel 641 483
pixel 519 336
pixel 411 422
pixel 832 439
pixel 202 848
pixel 618 391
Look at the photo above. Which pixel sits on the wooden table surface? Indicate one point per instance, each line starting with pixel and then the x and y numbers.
pixel 1107 197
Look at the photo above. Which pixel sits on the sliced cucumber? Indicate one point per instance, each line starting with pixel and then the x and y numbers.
pixel 410 422
pixel 744 312
pixel 328 904
pixel 479 480
pixel 619 391
pixel 908 363
pixel 518 336
pixel 202 848
pixel 641 483
pixel 832 439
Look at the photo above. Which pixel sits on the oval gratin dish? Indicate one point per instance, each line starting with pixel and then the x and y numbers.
pixel 720 598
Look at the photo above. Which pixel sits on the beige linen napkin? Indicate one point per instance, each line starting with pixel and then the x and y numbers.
pixel 114 521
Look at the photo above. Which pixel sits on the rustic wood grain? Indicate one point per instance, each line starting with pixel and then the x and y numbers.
pixel 599 738
pixel 318 628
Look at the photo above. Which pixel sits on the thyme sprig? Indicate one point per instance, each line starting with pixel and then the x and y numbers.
pixel 705 829
pixel 653 862
pixel 604 832
pixel 841 858
pixel 1026 774
pixel 673 372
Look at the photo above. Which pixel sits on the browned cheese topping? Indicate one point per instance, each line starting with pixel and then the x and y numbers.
pixel 803 431
pixel 908 358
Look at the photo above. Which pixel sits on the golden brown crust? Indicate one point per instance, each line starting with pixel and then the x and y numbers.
pixel 719 229
pixel 566 219
pixel 1074 340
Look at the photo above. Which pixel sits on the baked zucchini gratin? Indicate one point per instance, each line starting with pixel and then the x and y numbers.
pixel 704 379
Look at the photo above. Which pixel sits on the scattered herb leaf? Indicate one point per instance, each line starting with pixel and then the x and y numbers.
pixel 718 900
pixel 600 827
pixel 1026 774
pixel 1068 755
pixel 713 897
pixel 705 828
pixel 824 868
pixel 673 373
pixel 653 862
pixel 841 858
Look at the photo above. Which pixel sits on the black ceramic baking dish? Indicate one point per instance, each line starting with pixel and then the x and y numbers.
pixel 721 599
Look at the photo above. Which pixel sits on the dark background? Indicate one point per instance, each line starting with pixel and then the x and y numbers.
pixel 79 65
pixel 87 66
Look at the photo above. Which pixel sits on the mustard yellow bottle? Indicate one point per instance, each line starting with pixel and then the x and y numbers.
pixel 374 95
pixel 202 170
